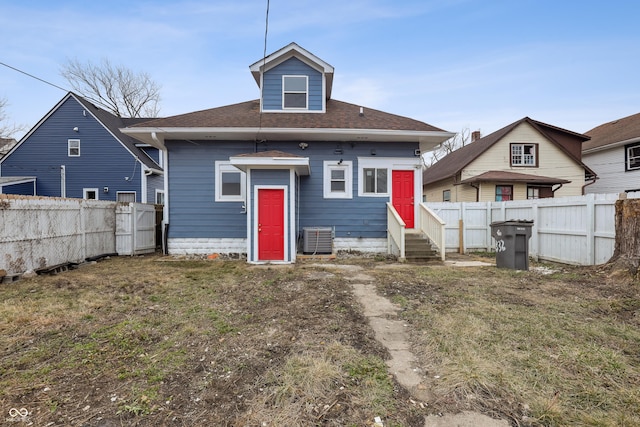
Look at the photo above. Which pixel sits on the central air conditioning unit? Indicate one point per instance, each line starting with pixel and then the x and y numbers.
pixel 317 240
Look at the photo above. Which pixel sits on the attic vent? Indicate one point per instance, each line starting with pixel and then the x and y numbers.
pixel 317 240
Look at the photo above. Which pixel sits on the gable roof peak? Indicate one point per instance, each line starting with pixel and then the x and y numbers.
pixel 290 51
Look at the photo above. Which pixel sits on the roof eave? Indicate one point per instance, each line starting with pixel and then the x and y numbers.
pixel 156 136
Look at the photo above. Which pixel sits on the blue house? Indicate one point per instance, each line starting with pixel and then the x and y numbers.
pixel 77 150
pixel 275 177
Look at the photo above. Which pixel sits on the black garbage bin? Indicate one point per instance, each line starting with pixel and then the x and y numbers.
pixel 512 243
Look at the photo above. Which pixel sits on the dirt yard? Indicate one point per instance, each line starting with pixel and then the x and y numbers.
pixel 154 341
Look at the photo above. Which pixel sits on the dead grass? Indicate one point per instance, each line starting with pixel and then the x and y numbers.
pixel 559 349
pixel 160 341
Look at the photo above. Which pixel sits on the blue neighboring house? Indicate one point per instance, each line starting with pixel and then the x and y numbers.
pixel 266 177
pixel 77 150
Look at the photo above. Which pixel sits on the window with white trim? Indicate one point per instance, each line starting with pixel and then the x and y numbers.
pixel 90 193
pixel 126 196
pixel 374 180
pixel 73 147
pixel 632 154
pixel 523 155
pixel 374 174
pixel 338 179
pixel 446 195
pixel 294 92
pixel 230 183
pixel 159 197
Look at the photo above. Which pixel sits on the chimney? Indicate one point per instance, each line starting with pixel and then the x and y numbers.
pixel 475 135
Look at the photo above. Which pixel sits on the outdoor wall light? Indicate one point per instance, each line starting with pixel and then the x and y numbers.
pixel 105 190
pixel 373 152
pixel 75 129
pixel 303 145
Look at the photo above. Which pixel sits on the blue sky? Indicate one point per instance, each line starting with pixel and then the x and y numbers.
pixel 478 64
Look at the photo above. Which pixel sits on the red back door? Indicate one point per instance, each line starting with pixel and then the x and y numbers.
pixel 270 225
pixel 403 197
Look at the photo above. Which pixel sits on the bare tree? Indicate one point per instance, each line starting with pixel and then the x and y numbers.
pixel 457 141
pixel 7 129
pixel 115 88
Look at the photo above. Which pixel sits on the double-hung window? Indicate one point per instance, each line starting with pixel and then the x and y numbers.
pixel 524 155
pixel 230 183
pixel 446 195
pixel 632 154
pixel 73 148
pixel 338 180
pixel 295 91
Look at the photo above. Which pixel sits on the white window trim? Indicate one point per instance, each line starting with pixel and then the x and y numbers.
pixel 328 166
pixel 69 141
pixel 135 195
pixel 158 192
pixel 225 166
pixel 391 164
pixel 522 155
pixel 377 163
pixel 629 157
pixel 306 92
pixel 86 190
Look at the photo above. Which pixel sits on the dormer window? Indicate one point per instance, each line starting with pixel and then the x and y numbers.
pixel 295 91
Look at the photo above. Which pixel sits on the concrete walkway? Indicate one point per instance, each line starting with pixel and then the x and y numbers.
pixel 391 332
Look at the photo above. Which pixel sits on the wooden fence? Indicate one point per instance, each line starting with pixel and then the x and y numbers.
pixel 41 232
pixel 573 230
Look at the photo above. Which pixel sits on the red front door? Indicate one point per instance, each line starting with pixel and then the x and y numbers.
pixel 402 198
pixel 270 225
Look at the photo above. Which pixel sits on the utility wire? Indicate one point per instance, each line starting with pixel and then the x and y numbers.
pixel 34 77
pixel 264 61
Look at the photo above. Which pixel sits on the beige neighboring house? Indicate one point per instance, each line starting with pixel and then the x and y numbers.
pixel 524 160
pixel 6 144
pixel 614 153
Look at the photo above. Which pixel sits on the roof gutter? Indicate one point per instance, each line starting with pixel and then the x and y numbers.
pixel 612 145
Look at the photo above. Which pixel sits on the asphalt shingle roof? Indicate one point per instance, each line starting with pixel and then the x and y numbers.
pixel 338 115
pixel 616 131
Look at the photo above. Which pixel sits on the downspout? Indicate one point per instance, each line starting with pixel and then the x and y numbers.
pixel 165 209
pixel 477 191
pixel 553 190
pixel 588 184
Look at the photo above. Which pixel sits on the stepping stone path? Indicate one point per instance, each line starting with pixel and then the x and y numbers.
pixel 391 332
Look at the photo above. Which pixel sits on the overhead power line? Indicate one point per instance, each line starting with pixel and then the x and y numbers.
pixel 34 77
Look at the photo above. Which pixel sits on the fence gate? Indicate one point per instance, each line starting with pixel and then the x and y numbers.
pixel 135 228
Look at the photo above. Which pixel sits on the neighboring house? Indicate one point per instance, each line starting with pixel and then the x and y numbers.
pixel 614 153
pixel 77 150
pixel 524 160
pixel 252 177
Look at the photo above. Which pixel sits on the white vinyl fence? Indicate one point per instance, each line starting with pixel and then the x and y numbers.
pixel 572 230
pixel 41 232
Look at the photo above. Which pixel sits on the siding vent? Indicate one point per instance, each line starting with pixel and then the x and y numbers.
pixel 317 240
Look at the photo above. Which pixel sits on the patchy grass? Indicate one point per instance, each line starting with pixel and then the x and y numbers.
pixel 553 349
pixel 158 341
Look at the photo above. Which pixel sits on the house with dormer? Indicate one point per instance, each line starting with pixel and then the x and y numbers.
pixel 269 177
pixel 526 159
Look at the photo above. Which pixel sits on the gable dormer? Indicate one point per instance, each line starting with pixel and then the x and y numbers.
pixel 293 80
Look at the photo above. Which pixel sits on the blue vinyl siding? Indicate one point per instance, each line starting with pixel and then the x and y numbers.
pixel 103 161
pixel 272 90
pixel 24 189
pixel 194 212
pixel 154 182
